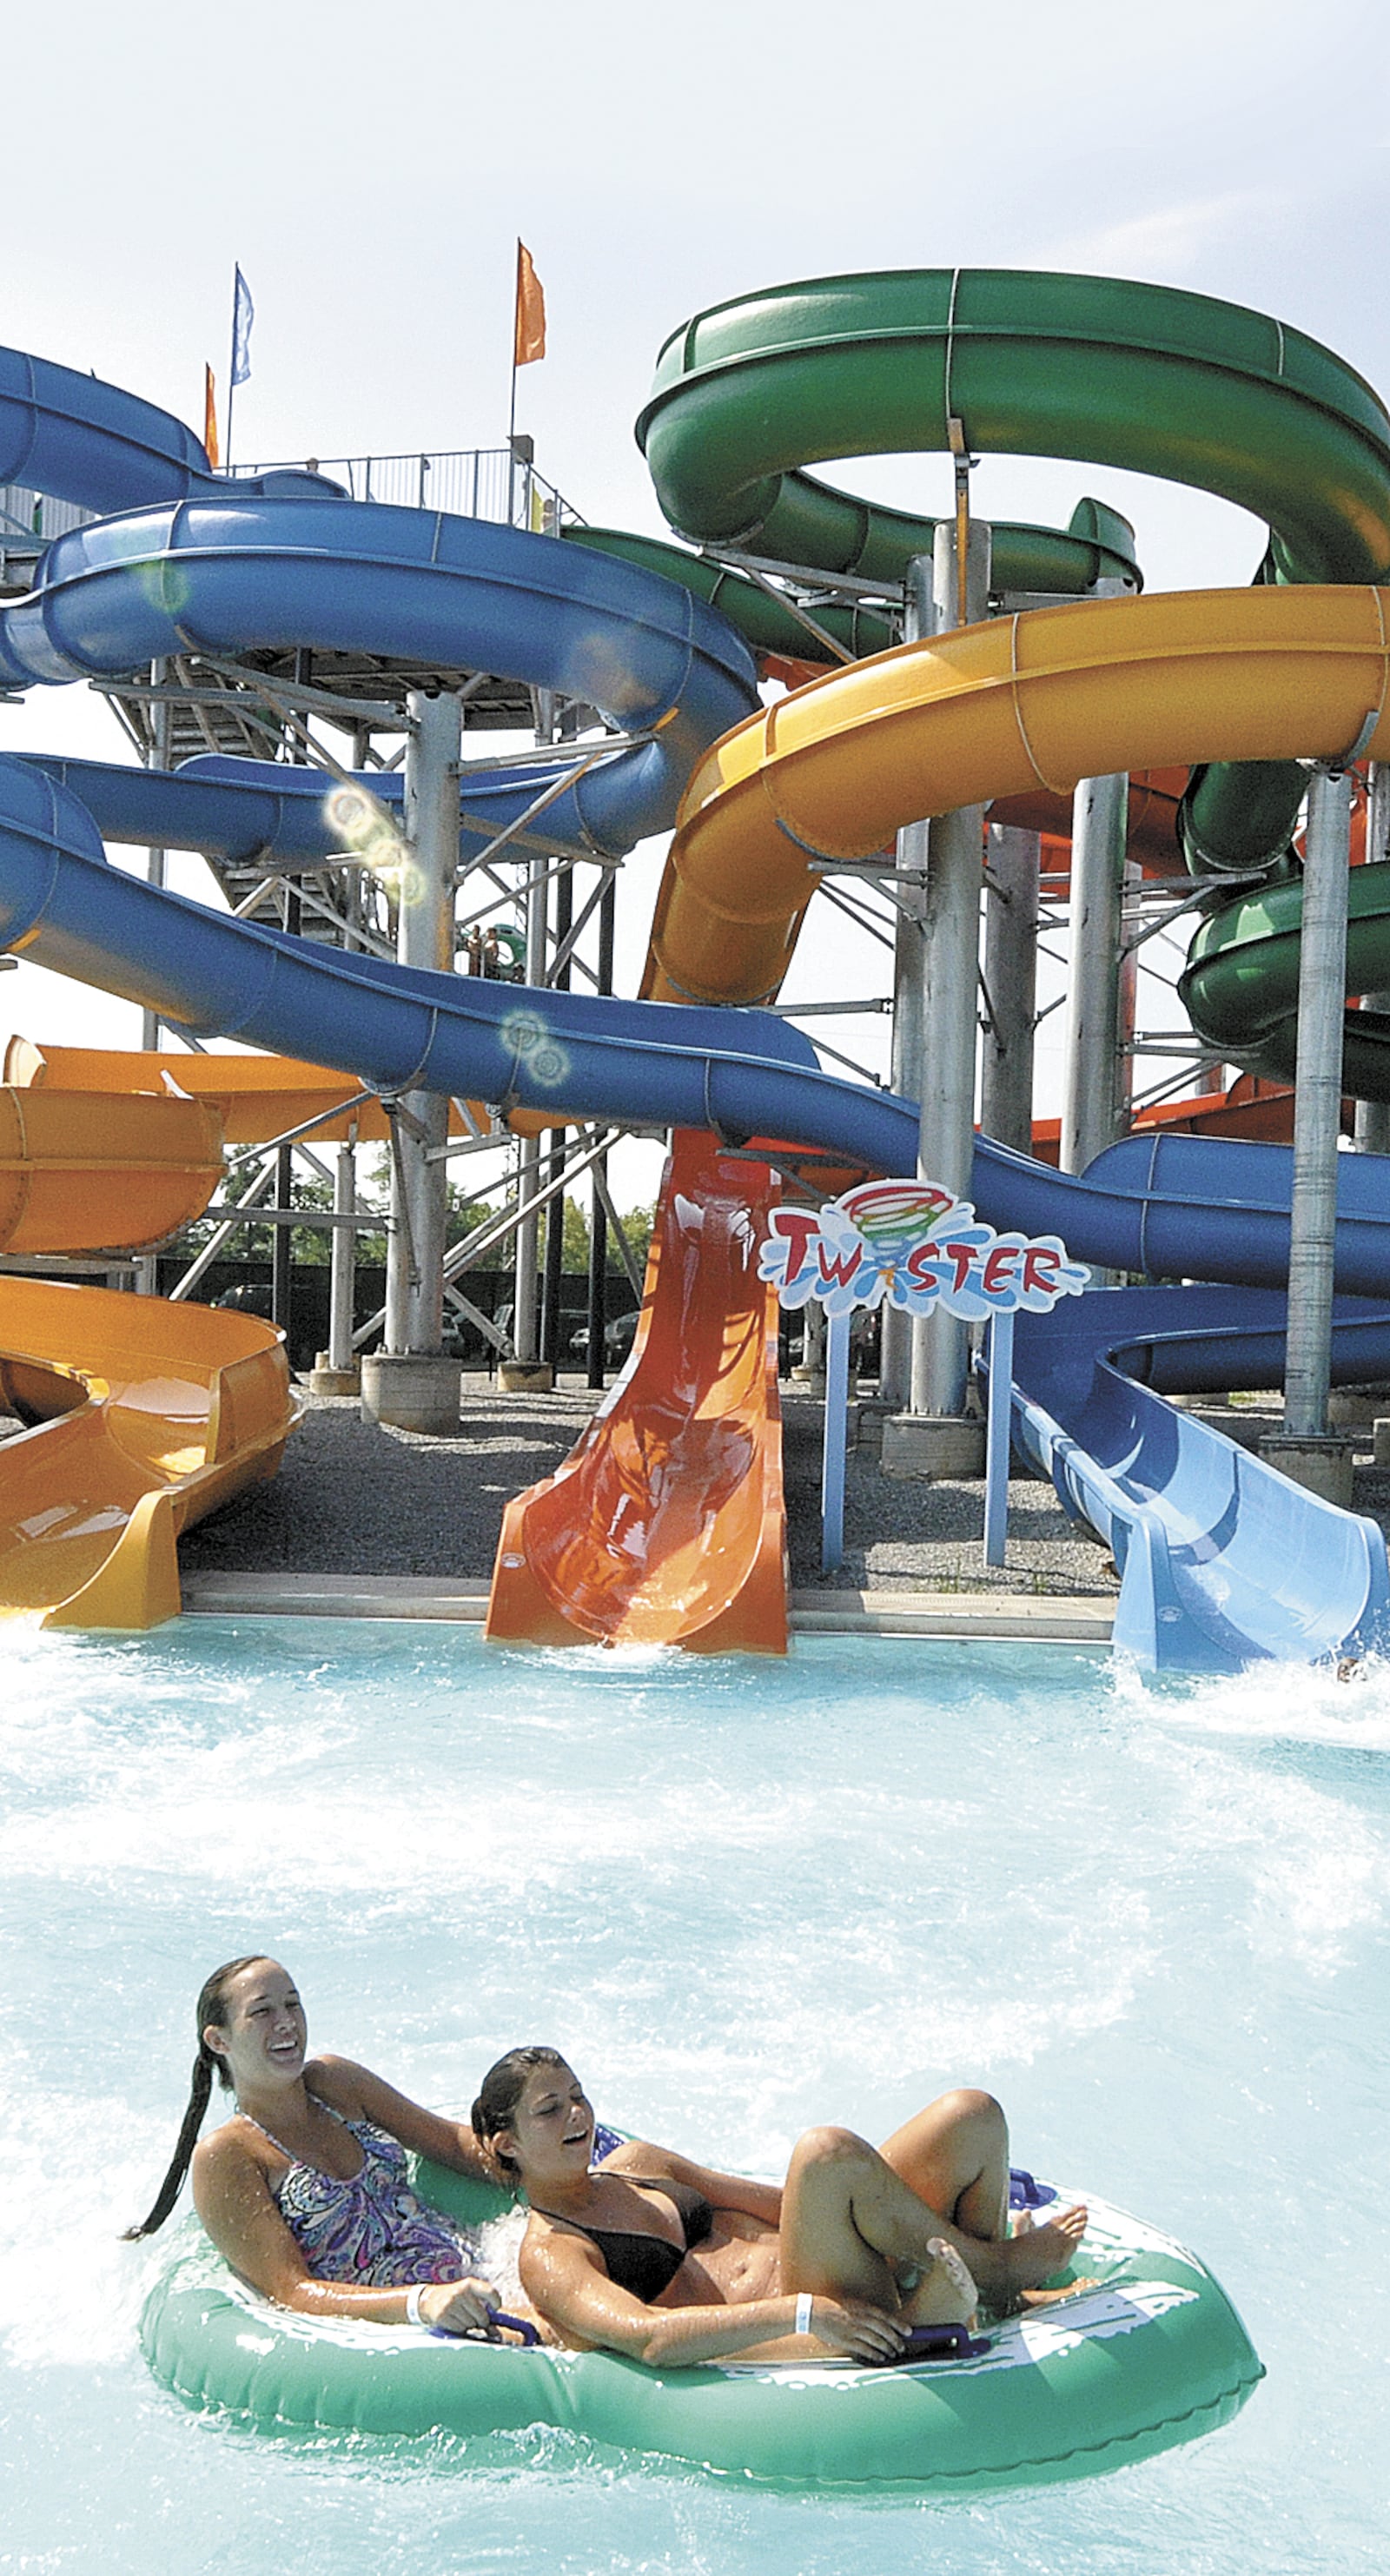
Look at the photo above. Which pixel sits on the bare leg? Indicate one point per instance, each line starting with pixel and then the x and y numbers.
pixel 849 2225
pixel 954 2155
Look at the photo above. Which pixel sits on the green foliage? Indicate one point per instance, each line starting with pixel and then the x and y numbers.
pixel 636 1225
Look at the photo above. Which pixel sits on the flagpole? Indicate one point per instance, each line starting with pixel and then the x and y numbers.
pixel 231 376
pixel 511 413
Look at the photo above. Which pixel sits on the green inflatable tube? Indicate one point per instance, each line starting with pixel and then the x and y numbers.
pixel 1154 2356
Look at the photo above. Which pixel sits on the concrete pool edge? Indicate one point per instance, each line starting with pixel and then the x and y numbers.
pixel 1061 1618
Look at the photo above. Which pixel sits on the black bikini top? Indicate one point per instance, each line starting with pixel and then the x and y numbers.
pixel 641 2264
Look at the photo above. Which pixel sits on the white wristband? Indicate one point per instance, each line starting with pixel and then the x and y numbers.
pixel 804 2304
pixel 412 2304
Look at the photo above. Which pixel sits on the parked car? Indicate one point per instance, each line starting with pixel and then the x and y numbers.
pixel 618 1335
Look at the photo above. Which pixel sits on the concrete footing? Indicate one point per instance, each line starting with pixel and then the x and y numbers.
pixel 1322 1465
pixel 411 1391
pixel 324 1380
pixel 921 1446
pixel 525 1377
pixel 1357 1407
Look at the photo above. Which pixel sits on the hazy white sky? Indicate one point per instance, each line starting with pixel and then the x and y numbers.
pixel 370 171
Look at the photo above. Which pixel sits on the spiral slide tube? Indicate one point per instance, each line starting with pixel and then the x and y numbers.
pixel 1143 377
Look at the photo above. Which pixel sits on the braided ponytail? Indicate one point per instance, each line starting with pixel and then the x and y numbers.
pixel 211 2007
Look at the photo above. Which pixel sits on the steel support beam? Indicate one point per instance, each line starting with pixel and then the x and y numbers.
pixel 1100 814
pixel 1373 1116
pixel 342 1261
pixel 951 969
pixel 909 971
pixel 425 937
pixel 1317 1103
pixel 1011 967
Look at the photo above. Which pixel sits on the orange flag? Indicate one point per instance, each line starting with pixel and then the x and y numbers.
pixel 530 311
pixel 210 415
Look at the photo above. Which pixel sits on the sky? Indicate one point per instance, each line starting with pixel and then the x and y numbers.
pixel 372 185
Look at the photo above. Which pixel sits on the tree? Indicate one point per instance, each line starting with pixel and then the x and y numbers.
pixel 636 1224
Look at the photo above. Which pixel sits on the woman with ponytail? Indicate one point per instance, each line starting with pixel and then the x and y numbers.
pixel 305 2189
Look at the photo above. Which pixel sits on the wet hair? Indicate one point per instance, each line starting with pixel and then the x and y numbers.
pixel 501 2090
pixel 212 2006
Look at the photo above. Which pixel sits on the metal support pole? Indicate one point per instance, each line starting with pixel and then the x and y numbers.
pixel 1127 1004
pixel 526 1316
pixel 555 1215
pixel 1317 1103
pixel 1100 828
pixel 1100 821
pixel 282 1237
pixel 951 942
pixel 146 1275
pixel 909 972
pixel 343 1262
pixel 425 937
pixel 1011 976
pixel 598 1213
pixel 1373 1116
pixel 161 757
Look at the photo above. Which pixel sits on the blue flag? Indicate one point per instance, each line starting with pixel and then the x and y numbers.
pixel 243 315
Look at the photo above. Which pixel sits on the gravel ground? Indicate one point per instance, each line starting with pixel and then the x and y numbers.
pixel 358 1499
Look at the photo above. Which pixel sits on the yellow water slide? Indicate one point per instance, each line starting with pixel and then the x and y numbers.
pixel 138 1416
pixel 1038 700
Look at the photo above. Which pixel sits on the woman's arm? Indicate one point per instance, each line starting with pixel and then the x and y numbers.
pixel 564 2279
pixel 722 2190
pixel 232 2197
pixel 359 2095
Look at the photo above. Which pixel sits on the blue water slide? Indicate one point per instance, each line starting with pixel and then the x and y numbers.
pixel 104 449
pixel 264 809
pixel 1177 1502
pixel 231 575
pixel 1194 1522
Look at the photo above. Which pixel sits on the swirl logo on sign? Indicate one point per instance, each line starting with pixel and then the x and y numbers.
pixel 914 1245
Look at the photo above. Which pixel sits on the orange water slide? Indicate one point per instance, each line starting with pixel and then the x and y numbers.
pixel 666 1524
pixel 259 1096
pixel 138 1416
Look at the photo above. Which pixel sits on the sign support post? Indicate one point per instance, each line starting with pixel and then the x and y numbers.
pixel 1001 1405
pixel 834 1442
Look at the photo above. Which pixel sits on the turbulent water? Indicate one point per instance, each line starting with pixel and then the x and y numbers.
pixel 742 1898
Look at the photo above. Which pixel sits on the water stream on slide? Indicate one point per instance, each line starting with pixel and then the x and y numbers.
pixel 743 1897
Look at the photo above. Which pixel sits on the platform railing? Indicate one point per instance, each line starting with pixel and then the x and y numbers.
pixel 469 482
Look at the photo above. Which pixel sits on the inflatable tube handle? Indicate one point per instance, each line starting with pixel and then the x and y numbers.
pixel 499 2317
pixel 942 2343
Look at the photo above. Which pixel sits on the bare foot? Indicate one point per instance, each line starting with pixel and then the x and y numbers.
pixel 950 2294
pixel 1049 2298
pixel 1029 2259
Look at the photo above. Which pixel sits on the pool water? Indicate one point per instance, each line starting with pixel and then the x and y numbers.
pixel 742 1897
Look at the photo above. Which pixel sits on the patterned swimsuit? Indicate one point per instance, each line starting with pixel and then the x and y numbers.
pixel 373 2231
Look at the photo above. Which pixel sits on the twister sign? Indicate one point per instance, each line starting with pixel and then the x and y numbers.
pixel 916 1246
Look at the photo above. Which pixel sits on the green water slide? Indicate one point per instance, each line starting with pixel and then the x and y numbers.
pixel 1240 985
pixel 1102 370
pixel 1098 544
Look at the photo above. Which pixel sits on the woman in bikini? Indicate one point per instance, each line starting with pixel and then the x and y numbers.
pixel 305 2190
pixel 669 2263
